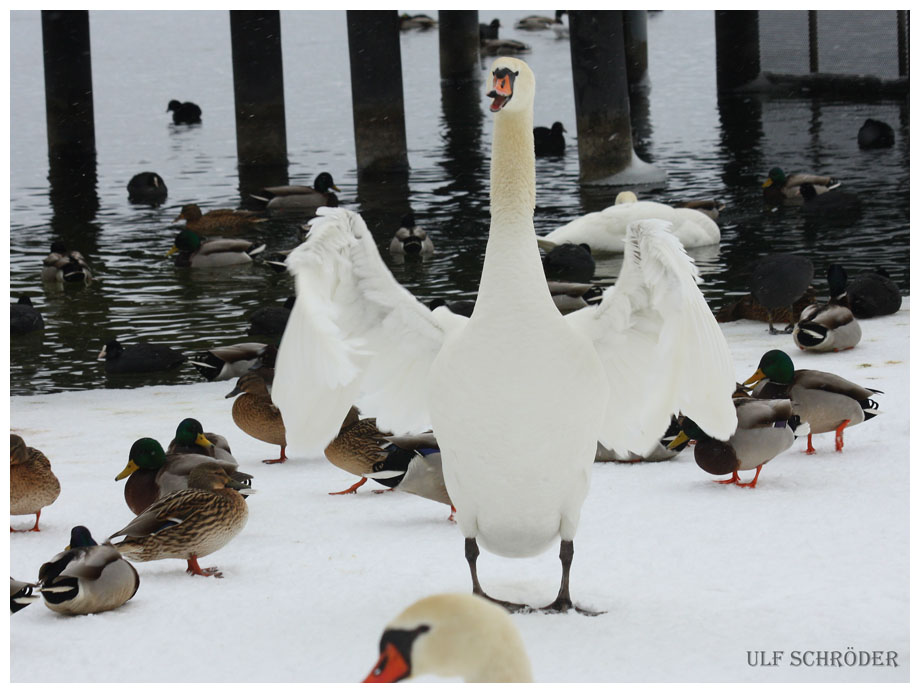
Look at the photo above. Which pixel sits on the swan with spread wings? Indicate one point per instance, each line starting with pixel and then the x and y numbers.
pixel 517 395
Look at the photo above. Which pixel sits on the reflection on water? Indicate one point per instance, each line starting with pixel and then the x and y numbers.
pixel 710 147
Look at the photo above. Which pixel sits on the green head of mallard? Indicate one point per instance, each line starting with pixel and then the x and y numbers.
pixel 711 455
pixel 776 176
pixel 776 366
pixel 190 432
pixel 80 537
pixel 186 241
pixel 146 453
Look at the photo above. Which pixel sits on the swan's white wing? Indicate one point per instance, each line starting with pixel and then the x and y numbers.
pixel 355 336
pixel 660 345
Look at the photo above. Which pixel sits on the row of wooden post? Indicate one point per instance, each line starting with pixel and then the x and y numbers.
pixel 608 53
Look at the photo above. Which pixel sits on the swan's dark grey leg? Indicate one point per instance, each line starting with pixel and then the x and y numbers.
pixel 472 553
pixel 563 600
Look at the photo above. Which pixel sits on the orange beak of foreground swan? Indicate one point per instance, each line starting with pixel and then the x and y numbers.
pixel 390 668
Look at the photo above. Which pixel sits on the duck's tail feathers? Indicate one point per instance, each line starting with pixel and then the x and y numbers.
pixel 255 249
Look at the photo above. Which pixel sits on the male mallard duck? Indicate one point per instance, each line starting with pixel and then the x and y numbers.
pixel 256 414
pixel 411 464
pixel 779 188
pixel 24 317
pixel 658 453
pixel 503 47
pixel 199 252
pixel 489 31
pixel 153 474
pixel 86 578
pixel 831 326
pixel 452 635
pixel 300 200
pixel 226 222
pixel 33 485
pixel 472 381
pixel 411 239
pixel 826 402
pixel 868 294
pixel 766 427
pixel 191 439
pixel 833 203
pixel 141 357
pixel 778 281
pixel 875 134
pixel 185 113
pixel 549 141
pixel 605 231
pixel 63 265
pixel 147 188
pixel 21 595
pixel 569 262
pixel 226 362
pixel 190 523
pixel 416 21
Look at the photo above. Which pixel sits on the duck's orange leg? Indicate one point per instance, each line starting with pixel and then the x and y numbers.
pixel 195 569
pixel 34 527
pixel 280 459
pixel 838 439
pixel 734 480
pixel 350 489
pixel 753 483
pixel 810 450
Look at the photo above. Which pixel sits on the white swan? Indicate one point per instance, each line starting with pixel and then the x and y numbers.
pixel 605 231
pixel 452 635
pixel 516 463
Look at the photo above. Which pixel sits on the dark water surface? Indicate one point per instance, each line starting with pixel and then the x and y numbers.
pixel 141 60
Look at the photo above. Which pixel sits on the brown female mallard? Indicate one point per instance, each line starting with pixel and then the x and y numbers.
pixel 32 483
pixel 256 414
pixel 222 221
pixel 190 523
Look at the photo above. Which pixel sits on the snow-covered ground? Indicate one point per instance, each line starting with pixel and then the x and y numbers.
pixel 697 579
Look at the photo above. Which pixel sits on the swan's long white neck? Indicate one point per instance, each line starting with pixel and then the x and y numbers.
pixel 512 270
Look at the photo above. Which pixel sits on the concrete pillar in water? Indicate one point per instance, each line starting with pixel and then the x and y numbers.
pixel 258 90
pixel 737 48
pixel 458 41
pixel 605 149
pixel 68 84
pixel 377 92
pixel 635 37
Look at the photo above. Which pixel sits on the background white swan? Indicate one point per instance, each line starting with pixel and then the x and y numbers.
pixel 605 231
pixel 517 395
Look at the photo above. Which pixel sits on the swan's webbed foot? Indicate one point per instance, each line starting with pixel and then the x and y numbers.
pixel 563 604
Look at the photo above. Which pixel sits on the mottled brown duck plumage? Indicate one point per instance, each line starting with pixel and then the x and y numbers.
pixel 33 485
pixel 223 221
pixel 256 414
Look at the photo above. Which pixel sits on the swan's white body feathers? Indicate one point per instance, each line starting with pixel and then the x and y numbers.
pixel 605 231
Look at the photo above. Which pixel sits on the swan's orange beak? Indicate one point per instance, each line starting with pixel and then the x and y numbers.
pixel 390 668
pixel 502 89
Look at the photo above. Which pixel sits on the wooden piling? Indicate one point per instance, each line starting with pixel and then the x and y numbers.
pixel 68 84
pixel 737 48
pixel 258 89
pixel 601 96
pixel 458 43
pixel 635 38
pixel 377 92
pixel 812 40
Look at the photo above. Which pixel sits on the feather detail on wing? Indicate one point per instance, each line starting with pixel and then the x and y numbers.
pixel 662 349
pixel 355 337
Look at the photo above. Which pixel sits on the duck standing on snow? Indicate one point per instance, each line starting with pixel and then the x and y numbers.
pixel 488 386
pixel 452 635
pixel 191 439
pixel 87 578
pixel 32 483
pixel 826 402
pixel 766 427
pixel 778 281
pixel 605 231
pixel 255 413
pixel 868 294
pixel 190 523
